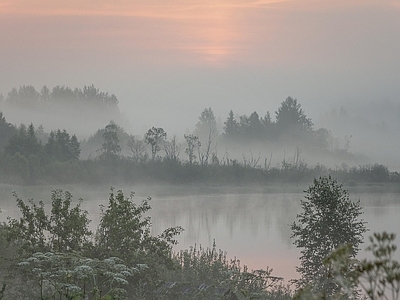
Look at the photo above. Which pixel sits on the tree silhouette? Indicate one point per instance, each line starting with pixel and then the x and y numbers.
pixel 110 148
pixel 231 127
pixel 290 115
pixel 207 131
pixel 154 137
pixel 61 146
pixel 193 143
pixel 6 131
pixel 24 142
pixel 329 219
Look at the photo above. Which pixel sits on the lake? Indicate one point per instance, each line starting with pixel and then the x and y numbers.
pixel 254 227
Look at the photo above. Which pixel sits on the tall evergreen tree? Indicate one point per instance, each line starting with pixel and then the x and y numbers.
pixel 24 142
pixel 6 131
pixel 290 115
pixel 231 126
pixel 62 147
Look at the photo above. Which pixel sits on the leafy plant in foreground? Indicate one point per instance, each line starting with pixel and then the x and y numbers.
pixel 377 278
pixel 125 232
pixel 66 229
pixel 205 271
pixel 70 276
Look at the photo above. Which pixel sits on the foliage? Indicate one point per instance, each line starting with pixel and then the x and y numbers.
pixel 28 96
pixel 172 149
pixel 231 127
pixel 155 137
pixel 110 149
pixel 62 146
pixel 65 230
pixel 34 157
pixel 124 227
pixel 71 276
pixel 329 219
pixel 376 278
pixel 7 130
pixel 137 149
pixel 95 142
pixel 210 269
pixel 380 278
pixel 290 115
pixel 193 143
pixel 125 232
pixel 206 124
pixel 25 156
pixel 24 142
pixel 58 256
pixel 291 126
pixel 25 95
pixel 68 226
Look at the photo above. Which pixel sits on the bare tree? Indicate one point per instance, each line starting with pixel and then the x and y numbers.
pixel 206 130
pixel 193 143
pixel 172 149
pixel 209 146
pixel 137 148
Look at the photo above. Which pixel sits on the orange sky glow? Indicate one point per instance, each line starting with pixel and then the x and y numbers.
pixel 206 32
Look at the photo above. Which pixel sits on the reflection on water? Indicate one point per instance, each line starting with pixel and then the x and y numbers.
pixel 256 227
pixel 252 227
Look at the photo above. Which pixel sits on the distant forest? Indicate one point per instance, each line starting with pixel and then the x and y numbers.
pixel 28 96
pixel 29 155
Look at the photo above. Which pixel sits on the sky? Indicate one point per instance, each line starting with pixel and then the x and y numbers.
pixel 168 60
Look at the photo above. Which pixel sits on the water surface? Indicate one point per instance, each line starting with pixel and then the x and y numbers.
pixel 254 227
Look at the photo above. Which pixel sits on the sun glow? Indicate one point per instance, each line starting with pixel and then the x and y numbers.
pixel 206 32
pixel 196 32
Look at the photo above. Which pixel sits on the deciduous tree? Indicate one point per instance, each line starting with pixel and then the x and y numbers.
pixel 110 148
pixel 154 137
pixel 137 148
pixel 193 143
pixel 329 219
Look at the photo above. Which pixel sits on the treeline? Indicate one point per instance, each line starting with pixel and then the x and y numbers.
pixel 27 96
pixel 292 129
pixel 78 110
pixel 290 122
pixel 31 156
pixel 26 159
